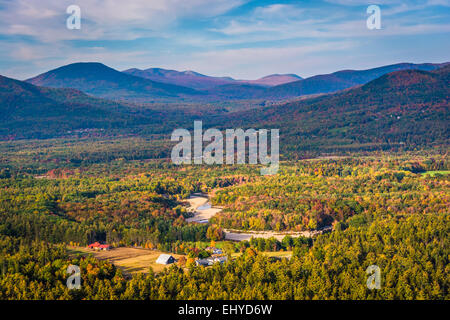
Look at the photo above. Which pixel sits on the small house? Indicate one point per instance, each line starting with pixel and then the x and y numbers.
pixel 165 259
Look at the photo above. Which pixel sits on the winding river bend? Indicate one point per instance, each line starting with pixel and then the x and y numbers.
pixel 200 205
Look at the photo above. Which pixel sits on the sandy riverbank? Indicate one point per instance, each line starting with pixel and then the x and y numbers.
pixel 204 211
pixel 235 235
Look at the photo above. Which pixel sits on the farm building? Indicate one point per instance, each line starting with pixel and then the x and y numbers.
pixel 165 259
pixel 210 261
pixel 98 246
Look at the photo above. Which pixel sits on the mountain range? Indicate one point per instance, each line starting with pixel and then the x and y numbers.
pixel 341 80
pixel 190 79
pixel 407 107
pixel 199 81
pixel 274 80
pixel 157 84
pixel 403 108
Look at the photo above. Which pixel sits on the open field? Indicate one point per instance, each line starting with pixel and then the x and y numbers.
pixel 130 260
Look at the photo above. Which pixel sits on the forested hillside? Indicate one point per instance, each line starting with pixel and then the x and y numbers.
pixel 401 110
pixel 404 109
pixel 341 80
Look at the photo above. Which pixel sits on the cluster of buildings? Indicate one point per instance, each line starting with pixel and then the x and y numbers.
pixel 217 256
pixel 210 261
pixel 99 246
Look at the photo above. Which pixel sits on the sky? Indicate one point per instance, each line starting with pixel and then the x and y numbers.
pixel 243 39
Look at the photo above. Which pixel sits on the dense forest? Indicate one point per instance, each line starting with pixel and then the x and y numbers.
pixel 411 251
pixel 103 197
pixel 387 209
pixel 313 194
pixel 104 174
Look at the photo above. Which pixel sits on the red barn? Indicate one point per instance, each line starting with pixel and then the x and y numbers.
pixel 98 246
pixel 94 245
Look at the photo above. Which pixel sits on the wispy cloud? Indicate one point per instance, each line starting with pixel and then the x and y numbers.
pixel 240 38
pixel 288 21
pixel 103 19
pixel 408 3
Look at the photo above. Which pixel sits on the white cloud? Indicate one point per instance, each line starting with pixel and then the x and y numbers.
pixel 283 22
pixel 265 19
pixel 277 38
pixel 411 4
pixel 103 19
pixel 277 11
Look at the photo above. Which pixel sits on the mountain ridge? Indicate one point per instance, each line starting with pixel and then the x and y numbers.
pixel 188 78
pixel 407 106
pixel 343 79
pixel 105 82
pixel 402 108
pixel 100 80
pixel 200 81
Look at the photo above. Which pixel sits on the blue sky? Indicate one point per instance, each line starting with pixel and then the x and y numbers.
pixel 239 38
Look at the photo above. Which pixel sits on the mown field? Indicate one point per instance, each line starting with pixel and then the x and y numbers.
pixel 130 260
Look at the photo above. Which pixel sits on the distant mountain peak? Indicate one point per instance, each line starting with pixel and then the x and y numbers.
pixel 196 80
pixel 275 79
pixel 292 75
pixel 193 73
pixel 186 78
pixel 100 80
